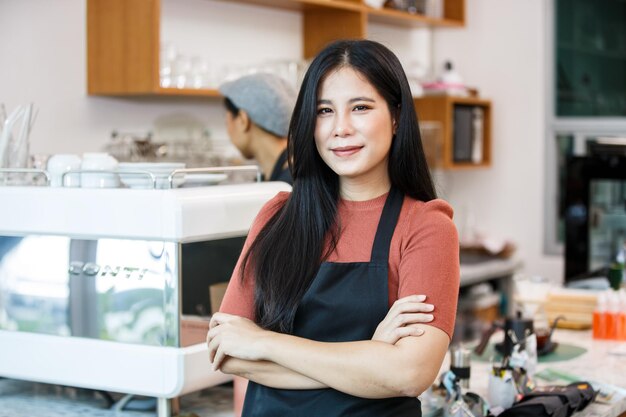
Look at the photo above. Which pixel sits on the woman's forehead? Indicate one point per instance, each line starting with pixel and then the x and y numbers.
pixel 344 81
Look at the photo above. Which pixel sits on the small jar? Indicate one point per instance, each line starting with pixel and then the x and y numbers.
pixel 58 165
pixel 98 162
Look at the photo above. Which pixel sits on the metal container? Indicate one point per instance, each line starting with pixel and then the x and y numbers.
pixel 460 364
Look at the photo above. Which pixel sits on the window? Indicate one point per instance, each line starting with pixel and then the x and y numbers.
pixel 590 58
pixel 585 91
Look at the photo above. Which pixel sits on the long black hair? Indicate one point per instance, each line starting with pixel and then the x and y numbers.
pixel 287 253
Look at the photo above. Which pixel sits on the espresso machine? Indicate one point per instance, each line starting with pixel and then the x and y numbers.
pixel 108 289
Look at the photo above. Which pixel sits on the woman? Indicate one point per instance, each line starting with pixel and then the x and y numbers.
pixel 360 230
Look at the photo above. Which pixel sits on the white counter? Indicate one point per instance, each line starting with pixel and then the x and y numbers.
pixel 181 214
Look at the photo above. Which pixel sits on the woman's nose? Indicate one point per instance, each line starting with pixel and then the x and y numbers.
pixel 343 127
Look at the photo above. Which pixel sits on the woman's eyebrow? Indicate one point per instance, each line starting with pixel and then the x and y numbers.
pixel 352 100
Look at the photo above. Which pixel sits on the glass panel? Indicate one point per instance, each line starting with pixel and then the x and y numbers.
pixel 109 289
pixel 590 58
pixel 204 264
pixel 607 225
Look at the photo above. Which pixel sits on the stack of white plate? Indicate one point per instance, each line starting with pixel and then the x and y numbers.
pixel 132 174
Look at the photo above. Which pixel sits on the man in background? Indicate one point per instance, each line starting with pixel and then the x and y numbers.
pixel 258 112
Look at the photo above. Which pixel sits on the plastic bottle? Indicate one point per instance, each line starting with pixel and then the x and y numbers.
pixel 599 317
pixel 622 316
pixel 450 77
pixel 613 316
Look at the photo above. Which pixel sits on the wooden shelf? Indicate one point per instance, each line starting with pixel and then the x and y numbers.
pixel 303 5
pixel 123 37
pixel 198 92
pixel 441 109
pixel 168 92
pixel 454 13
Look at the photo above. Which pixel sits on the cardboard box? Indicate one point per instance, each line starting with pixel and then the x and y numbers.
pixel 193 330
pixel 216 294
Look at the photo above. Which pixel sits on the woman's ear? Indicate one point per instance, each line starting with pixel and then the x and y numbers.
pixel 394 120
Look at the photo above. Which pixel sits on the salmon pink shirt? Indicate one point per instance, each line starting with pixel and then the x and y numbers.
pixel 423 257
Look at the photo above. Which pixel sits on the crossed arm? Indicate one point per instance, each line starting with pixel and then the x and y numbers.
pixel 395 363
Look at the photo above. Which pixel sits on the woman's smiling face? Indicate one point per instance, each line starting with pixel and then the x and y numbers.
pixel 354 127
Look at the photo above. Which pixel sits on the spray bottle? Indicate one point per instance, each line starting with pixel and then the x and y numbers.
pixel 599 317
pixel 622 316
pixel 613 316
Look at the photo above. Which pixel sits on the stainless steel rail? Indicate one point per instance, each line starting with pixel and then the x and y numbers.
pixel 45 173
pixel 176 172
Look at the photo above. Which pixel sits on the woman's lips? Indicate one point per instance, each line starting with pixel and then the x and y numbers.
pixel 346 150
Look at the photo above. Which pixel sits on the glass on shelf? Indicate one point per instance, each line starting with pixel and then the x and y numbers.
pixel 201 74
pixel 291 71
pixel 181 71
pixel 167 56
pixel 177 70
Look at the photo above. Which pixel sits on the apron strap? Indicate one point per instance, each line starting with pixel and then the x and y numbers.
pixel 278 166
pixel 386 226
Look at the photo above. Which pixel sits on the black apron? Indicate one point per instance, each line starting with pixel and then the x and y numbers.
pixel 346 302
pixel 280 173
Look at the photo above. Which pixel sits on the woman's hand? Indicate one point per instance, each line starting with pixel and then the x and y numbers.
pixel 404 312
pixel 234 336
pixel 241 338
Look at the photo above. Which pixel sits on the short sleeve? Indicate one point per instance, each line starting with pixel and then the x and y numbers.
pixel 429 261
pixel 239 296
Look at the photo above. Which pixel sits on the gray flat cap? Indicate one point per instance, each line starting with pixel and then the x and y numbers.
pixel 267 98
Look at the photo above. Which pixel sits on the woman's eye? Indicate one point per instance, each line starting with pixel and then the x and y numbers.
pixel 324 110
pixel 361 107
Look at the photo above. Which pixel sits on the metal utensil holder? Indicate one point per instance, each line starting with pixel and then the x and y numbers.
pixel 6 171
pixel 208 170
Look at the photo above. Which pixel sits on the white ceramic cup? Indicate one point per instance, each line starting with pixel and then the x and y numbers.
pixel 61 163
pixel 93 161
